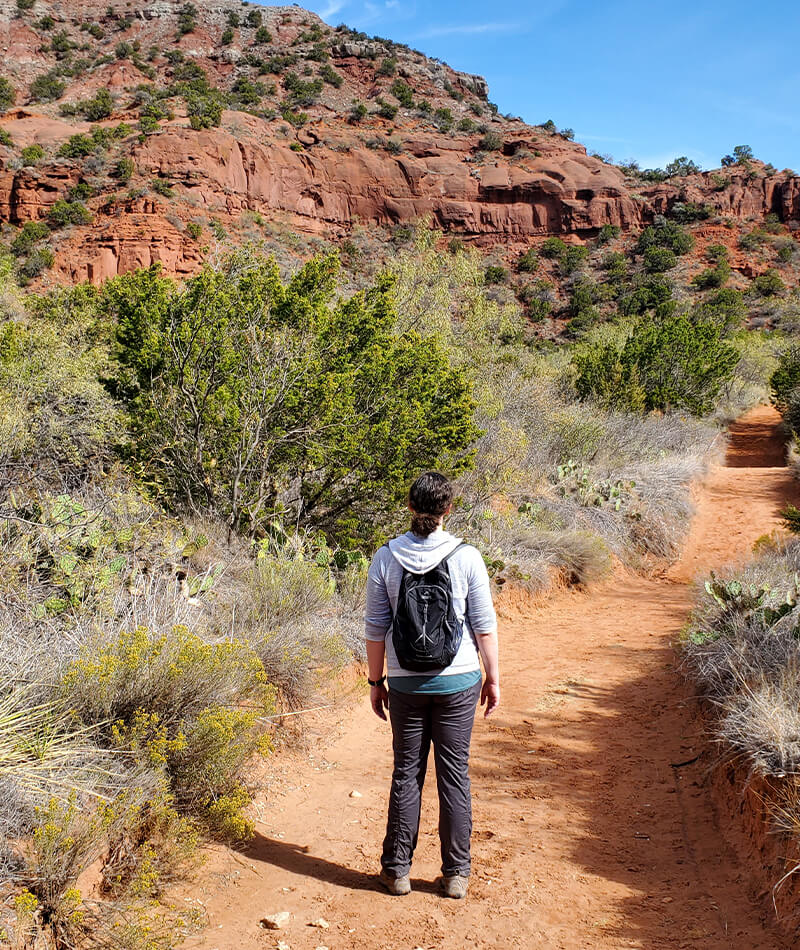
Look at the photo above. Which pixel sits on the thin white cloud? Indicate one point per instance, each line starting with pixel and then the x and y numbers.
pixel 467 29
pixel 333 7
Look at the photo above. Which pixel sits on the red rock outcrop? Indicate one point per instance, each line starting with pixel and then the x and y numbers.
pixel 332 172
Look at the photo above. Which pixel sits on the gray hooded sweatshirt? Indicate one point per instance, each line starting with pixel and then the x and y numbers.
pixel 472 599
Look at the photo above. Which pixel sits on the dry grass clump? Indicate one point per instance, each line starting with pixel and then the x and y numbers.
pixel 742 648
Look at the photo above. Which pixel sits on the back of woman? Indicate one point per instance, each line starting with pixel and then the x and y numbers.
pixel 430 620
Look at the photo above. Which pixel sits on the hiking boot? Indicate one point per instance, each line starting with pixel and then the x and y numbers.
pixel 454 885
pixel 395 885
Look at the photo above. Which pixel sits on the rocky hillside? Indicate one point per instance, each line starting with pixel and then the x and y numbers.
pixel 142 132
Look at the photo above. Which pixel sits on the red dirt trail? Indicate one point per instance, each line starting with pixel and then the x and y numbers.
pixel 586 836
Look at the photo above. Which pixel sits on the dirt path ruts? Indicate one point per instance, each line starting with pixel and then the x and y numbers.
pixel 586 836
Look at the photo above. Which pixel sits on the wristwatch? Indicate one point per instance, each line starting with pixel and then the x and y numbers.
pixel 379 682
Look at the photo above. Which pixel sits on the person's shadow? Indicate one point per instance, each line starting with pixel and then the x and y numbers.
pixel 296 859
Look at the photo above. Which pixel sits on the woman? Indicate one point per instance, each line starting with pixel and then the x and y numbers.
pixel 430 704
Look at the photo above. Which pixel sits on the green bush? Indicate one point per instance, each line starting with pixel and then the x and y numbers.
pixel 5 139
pixel 615 264
pixel 31 154
pixel 495 274
pixel 161 186
pixel 194 230
pixel 8 94
pixel 528 261
pixel 742 155
pixel 64 213
pixel 686 212
pixel 647 294
pixel 40 259
pixel 444 119
pixel 47 87
pixel 712 277
pixel 263 35
pixel 187 19
pixel 491 142
pixel 125 169
pixel 658 260
pixel 302 93
pixel 331 76
pixel 680 167
pixel 267 360
pixel 785 380
pixel 358 112
pixel 574 256
pixel 667 363
pixel 29 234
pixel 403 93
pixel 768 284
pixel 77 146
pixel 101 106
pixel 245 92
pixel 553 248
pixel 385 109
pixel 664 233
pixel 388 66
pixel 608 232
pixel 227 37
pixel 255 19
pixel 204 110
pixel 171 700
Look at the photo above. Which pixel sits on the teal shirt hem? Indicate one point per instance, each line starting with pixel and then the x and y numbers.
pixel 438 684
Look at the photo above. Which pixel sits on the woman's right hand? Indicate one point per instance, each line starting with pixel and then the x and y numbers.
pixel 379 700
pixel 490 695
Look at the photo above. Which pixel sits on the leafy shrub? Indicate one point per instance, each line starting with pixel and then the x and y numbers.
pixel 491 142
pixel 785 380
pixel 573 257
pixel 388 66
pixel 668 363
pixel 194 230
pixel 125 169
pixel 687 212
pixel 680 167
pixel 41 259
pixel 648 294
pixel 742 155
pixel 615 264
pixel 5 139
pixel 385 109
pixel 715 276
pixel 8 94
pixel 262 35
pixel 64 213
pixel 528 261
pixel 664 233
pixel 254 19
pixel 330 75
pixel 161 186
pixel 444 119
pixel 553 248
pixel 219 328
pixel 608 232
pixel 187 19
pixel 47 87
pixel 31 154
pixel 768 284
pixel 466 125
pixel 227 37
pixel 77 146
pixel 166 698
pixel 657 259
pixel 495 274
pixel 403 93
pixel 302 93
pixel 204 110
pixel 29 234
pixel 358 112
pixel 248 93
pixel 101 106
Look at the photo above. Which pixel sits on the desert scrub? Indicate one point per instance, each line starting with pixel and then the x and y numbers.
pixel 184 707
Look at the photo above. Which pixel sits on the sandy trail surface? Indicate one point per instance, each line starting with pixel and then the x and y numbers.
pixel 587 835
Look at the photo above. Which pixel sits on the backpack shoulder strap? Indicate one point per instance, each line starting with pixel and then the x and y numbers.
pixel 461 544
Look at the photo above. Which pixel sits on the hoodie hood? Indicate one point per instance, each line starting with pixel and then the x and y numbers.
pixel 419 555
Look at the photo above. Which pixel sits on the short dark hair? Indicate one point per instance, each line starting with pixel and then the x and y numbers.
pixel 429 498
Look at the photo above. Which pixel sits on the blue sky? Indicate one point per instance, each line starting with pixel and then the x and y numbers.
pixel 633 78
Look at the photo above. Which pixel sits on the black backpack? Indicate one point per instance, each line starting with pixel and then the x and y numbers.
pixel 425 631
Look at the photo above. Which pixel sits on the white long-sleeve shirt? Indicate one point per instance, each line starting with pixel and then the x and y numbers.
pixel 472 598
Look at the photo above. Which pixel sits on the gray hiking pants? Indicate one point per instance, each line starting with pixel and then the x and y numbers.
pixel 446 720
